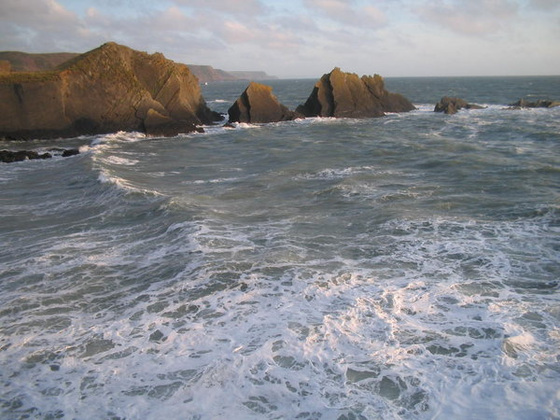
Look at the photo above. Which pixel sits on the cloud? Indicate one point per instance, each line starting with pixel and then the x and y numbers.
pixel 245 8
pixel 545 4
pixel 347 12
pixel 39 25
pixel 469 17
pixel 302 37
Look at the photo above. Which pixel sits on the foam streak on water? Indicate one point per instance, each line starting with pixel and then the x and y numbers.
pixel 396 268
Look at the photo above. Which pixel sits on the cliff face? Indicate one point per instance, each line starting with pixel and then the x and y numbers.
pixel 108 89
pixel 345 95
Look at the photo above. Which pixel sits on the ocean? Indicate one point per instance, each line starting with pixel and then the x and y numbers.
pixel 404 267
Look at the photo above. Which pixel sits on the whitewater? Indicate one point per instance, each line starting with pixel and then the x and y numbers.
pixel 404 267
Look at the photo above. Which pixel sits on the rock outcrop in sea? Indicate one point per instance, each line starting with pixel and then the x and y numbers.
pixel 111 88
pixel 345 95
pixel 541 103
pixel 257 104
pixel 9 156
pixel 450 105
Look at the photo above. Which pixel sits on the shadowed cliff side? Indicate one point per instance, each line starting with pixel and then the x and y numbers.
pixel 111 88
pixel 345 95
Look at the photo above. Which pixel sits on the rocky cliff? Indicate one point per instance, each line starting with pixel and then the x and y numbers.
pixel 345 95
pixel 108 89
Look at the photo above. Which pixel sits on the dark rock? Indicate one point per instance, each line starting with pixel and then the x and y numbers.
pixel 8 156
pixel 450 106
pixel 257 104
pixel 339 94
pixel 111 88
pixel 70 152
pixel 541 103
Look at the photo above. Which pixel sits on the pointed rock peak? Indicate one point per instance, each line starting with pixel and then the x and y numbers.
pixel 257 104
pixel 340 94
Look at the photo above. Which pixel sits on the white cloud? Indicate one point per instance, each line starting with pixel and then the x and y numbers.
pixel 245 8
pixel 39 25
pixel 347 12
pixel 302 37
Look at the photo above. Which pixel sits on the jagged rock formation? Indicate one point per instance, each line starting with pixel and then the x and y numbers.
pixel 111 88
pixel 541 103
pixel 339 94
pixel 450 106
pixel 257 104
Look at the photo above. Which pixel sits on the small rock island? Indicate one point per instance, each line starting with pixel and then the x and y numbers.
pixel 257 104
pixel 345 95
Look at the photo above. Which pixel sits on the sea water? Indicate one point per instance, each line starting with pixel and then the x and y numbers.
pixel 404 267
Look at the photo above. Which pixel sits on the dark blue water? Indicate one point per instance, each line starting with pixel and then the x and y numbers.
pixel 401 267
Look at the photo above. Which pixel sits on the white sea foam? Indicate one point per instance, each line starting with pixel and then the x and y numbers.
pixel 121 161
pixel 331 274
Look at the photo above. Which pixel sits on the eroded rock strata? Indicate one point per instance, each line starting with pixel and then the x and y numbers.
pixel 345 95
pixel 257 104
pixel 112 88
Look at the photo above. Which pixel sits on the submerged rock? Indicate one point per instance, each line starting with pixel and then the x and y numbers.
pixel 111 88
pixel 450 105
pixel 541 103
pixel 339 94
pixel 8 156
pixel 257 104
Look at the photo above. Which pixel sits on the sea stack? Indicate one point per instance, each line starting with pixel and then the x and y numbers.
pixel 111 88
pixel 339 94
pixel 257 104
pixel 451 106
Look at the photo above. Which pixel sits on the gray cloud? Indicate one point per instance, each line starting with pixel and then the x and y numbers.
pixel 469 17
pixel 348 12
pixel 301 37
pixel 546 4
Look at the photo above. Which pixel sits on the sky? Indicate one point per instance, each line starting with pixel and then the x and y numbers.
pixel 304 38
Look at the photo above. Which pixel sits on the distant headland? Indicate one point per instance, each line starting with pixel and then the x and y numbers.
pixel 17 61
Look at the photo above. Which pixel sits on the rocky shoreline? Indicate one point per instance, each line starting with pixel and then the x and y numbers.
pixel 115 88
